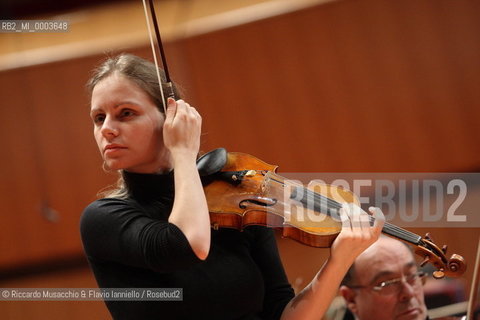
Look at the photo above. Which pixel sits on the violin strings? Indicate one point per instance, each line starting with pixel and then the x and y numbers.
pixel 388 227
pixel 329 206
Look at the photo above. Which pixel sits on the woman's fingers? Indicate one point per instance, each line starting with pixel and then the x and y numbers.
pixel 358 218
pixel 360 224
pixel 357 232
pixel 171 111
pixel 182 127
pixel 379 220
pixel 344 217
pixel 180 108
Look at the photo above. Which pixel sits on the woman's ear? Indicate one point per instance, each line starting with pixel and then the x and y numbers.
pixel 349 295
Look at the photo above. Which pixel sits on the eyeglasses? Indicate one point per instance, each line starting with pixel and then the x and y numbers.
pixel 395 286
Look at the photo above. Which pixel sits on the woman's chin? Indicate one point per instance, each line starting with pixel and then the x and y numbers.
pixel 113 165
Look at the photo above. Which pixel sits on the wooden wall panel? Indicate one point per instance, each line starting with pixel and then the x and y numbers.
pixel 70 161
pixel 350 85
pixel 51 168
pixel 20 183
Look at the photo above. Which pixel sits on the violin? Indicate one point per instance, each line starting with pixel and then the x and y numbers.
pixel 243 190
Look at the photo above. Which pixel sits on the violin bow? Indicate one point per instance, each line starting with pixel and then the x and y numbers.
pixel 169 86
pixel 472 301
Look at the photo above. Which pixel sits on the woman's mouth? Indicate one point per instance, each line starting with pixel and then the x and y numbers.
pixel 111 149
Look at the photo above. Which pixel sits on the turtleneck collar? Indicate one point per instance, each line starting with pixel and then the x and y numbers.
pixel 149 187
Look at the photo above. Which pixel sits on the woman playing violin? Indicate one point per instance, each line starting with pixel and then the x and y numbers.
pixel 154 230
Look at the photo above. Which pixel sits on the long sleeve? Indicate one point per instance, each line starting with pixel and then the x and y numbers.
pixel 278 291
pixel 115 230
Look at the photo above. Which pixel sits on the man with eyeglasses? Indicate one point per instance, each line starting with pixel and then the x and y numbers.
pixel 384 284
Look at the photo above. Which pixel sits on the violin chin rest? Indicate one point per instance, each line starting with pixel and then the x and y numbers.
pixel 212 162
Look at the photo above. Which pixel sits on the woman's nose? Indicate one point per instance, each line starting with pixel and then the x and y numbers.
pixel 109 128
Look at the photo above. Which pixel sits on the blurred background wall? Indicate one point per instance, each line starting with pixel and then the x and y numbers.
pixel 312 86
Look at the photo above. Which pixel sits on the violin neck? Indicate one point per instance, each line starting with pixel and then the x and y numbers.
pixel 399 233
pixel 322 204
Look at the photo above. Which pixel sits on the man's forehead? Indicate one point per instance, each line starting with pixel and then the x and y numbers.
pixel 383 258
pixel 388 272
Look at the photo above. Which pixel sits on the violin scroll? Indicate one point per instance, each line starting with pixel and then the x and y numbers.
pixel 453 267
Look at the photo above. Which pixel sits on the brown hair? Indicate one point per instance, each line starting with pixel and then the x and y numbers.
pixel 143 73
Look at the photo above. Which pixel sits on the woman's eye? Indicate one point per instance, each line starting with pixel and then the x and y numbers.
pixel 126 113
pixel 99 118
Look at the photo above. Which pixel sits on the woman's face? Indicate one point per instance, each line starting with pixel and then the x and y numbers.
pixel 128 126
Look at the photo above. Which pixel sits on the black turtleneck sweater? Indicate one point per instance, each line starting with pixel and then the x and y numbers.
pixel 130 244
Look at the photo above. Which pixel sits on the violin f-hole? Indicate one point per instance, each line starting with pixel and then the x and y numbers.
pixel 260 201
